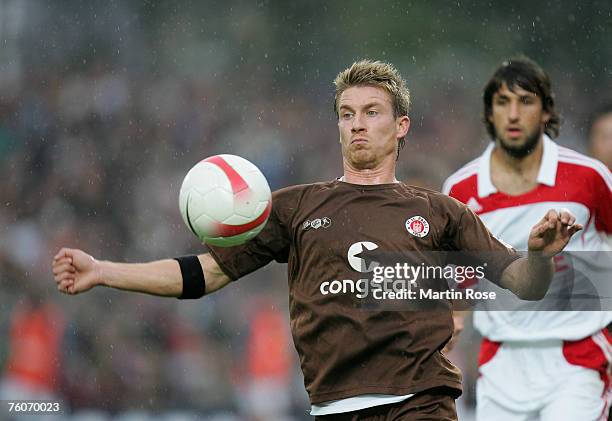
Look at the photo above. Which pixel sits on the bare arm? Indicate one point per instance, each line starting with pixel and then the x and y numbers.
pixel 530 277
pixel 76 271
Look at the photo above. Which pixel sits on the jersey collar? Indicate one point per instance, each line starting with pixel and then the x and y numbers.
pixel 546 175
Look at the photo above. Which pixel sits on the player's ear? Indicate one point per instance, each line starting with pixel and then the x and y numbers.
pixel 403 125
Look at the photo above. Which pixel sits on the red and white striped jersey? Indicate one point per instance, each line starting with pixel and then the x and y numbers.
pixel 566 179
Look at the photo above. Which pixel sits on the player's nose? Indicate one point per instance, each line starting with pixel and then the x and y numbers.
pixel 358 123
pixel 513 111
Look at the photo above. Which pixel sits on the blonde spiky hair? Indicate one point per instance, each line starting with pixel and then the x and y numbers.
pixel 378 74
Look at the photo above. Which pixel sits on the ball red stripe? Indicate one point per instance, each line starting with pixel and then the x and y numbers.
pixel 225 230
pixel 236 180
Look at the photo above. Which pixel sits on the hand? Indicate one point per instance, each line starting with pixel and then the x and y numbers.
pixel 75 271
pixel 552 233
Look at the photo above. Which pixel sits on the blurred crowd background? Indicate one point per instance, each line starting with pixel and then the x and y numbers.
pixel 104 107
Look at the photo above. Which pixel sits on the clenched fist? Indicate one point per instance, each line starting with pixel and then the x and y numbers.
pixel 75 271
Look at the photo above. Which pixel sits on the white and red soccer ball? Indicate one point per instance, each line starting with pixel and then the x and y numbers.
pixel 225 200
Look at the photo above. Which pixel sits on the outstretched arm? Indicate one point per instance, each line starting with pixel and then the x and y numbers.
pixel 76 271
pixel 529 277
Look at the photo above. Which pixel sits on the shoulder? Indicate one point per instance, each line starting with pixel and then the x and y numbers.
pixel 439 202
pixel 465 178
pixel 582 166
pixel 285 201
pixel 299 190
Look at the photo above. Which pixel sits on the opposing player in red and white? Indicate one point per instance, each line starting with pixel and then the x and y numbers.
pixel 537 365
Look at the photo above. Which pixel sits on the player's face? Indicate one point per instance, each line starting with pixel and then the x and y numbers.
pixel 519 119
pixel 369 131
pixel 601 139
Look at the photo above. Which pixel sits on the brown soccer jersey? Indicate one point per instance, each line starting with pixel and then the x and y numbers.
pixel 329 234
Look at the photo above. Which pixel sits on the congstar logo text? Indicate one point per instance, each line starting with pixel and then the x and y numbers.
pixel 397 281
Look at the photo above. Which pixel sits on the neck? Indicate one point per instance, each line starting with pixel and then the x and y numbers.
pixel 525 165
pixel 384 174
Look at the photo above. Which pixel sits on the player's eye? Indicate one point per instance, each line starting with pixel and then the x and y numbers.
pixel 347 116
pixel 501 101
pixel 372 113
pixel 527 100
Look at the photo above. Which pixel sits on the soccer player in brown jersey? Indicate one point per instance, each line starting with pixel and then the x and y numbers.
pixel 358 364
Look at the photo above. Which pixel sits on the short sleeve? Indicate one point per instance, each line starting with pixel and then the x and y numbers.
pixel 603 199
pixel 468 235
pixel 272 243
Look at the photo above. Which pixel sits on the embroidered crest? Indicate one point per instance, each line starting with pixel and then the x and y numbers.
pixel 417 226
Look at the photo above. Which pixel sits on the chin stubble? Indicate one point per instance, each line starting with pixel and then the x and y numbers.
pixel 521 151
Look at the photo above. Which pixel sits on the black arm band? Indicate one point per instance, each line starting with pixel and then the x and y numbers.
pixel 194 285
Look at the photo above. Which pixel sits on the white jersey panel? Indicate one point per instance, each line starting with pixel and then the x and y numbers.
pixel 512 225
